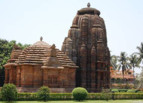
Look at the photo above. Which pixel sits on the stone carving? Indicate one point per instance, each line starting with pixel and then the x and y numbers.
pixel 89 49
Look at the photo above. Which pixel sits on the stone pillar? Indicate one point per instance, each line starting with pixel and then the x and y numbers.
pixel 14 75
pixel 10 75
pixel 18 77
pixel 98 83
pixel 44 77
pixel 6 76
pixel 33 83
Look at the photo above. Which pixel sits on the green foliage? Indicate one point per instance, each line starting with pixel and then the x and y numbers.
pixel 128 95
pixel 105 94
pixel 27 96
pixel 5 51
pixel 114 90
pixel 114 61
pixel 125 90
pixel 119 95
pixel 119 90
pixel 133 91
pixel 79 93
pixel 61 96
pixel 0 96
pixel 140 52
pixel 122 90
pixel 9 92
pixel 99 96
pixel 90 96
pixel 43 93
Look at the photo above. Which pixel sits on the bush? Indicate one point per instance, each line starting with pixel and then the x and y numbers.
pixel 91 96
pixel 9 92
pixel 114 90
pixel 0 96
pixel 133 91
pixel 105 94
pixel 79 93
pixel 119 90
pixel 61 96
pixel 27 96
pixel 43 93
pixel 122 90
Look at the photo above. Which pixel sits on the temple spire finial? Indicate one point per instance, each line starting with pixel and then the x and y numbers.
pixel 88 5
pixel 41 38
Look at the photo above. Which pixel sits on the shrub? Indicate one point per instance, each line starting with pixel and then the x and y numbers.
pixel 114 90
pixel 122 90
pixel 79 93
pixel 43 93
pixel 0 96
pixel 139 91
pixel 9 92
pixel 105 94
pixel 61 96
pixel 133 91
pixel 27 96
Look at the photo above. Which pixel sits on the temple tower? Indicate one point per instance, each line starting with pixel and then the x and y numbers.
pixel 86 45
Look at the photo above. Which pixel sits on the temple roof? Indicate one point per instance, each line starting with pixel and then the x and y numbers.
pixel 88 10
pixel 38 53
pixel 34 54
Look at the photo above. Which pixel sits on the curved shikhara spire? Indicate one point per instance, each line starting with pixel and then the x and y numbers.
pixel 86 45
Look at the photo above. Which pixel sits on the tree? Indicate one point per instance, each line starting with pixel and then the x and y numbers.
pixel 139 80
pixel 79 93
pixel 113 61
pixel 9 92
pixel 5 51
pixel 43 93
pixel 123 63
pixel 133 63
pixel 140 53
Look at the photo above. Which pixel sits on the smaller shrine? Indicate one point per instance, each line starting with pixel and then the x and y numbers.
pixel 117 80
pixel 40 65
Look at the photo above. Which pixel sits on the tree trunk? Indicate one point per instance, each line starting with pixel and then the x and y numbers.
pixel 123 76
pixel 133 76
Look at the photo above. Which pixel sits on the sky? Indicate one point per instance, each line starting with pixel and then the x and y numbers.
pixel 27 20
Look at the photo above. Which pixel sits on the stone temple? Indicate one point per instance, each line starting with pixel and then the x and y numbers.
pixel 38 65
pixel 84 60
pixel 86 45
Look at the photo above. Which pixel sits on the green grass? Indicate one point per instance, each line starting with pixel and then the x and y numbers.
pixel 89 101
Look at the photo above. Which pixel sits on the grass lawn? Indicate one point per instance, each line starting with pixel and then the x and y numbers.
pixel 90 101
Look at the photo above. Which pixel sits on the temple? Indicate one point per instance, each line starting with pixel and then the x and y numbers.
pixel 40 65
pixel 86 45
pixel 117 80
pixel 84 60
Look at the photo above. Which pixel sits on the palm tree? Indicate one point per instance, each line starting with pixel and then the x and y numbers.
pixel 140 79
pixel 140 53
pixel 113 61
pixel 133 63
pixel 123 63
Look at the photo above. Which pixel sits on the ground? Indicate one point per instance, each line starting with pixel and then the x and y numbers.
pixel 90 101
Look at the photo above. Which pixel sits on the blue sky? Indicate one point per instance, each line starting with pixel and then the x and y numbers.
pixel 26 20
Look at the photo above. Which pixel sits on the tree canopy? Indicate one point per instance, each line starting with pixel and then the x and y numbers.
pixel 5 51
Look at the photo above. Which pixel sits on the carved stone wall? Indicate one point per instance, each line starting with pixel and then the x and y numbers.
pixel 40 65
pixel 86 45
